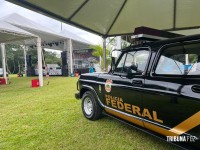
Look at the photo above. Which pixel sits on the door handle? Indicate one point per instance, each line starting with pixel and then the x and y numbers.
pixel 137 82
pixel 196 88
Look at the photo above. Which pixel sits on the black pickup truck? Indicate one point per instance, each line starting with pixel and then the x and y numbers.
pixel 154 86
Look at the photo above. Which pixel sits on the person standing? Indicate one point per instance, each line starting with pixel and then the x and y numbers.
pixel 91 69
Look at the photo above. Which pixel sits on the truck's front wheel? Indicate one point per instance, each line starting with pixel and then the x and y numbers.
pixel 90 106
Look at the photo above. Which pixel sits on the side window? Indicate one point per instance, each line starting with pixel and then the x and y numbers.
pixel 179 60
pixel 192 66
pixel 133 62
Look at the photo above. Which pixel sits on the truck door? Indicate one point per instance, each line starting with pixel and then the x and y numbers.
pixel 172 92
pixel 123 87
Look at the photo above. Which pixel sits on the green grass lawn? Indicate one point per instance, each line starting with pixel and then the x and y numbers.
pixel 51 118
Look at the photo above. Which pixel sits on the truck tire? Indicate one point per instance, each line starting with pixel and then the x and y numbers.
pixel 90 107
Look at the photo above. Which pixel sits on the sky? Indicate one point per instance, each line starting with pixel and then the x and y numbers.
pixel 7 8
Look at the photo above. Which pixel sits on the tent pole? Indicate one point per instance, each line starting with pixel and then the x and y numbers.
pixel 187 59
pixel 66 48
pixel 39 52
pixel 118 45
pixel 25 61
pixel 70 49
pixel 104 54
pixel 3 61
pixel 119 41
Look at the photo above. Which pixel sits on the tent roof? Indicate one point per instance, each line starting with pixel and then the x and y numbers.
pixel 84 44
pixel 10 33
pixel 46 34
pixel 117 17
pixel 74 37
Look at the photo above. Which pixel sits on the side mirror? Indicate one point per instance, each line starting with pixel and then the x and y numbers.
pixel 114 55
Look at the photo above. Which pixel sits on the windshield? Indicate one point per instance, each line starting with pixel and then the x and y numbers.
pixel 133 62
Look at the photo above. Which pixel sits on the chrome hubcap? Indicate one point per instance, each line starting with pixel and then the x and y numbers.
pixel 88 107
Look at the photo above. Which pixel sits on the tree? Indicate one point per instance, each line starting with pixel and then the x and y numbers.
pixel 49 57
pixel 98 52
pixel 15 58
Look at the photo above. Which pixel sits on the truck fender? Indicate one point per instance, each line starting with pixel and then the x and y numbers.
pixel 90 88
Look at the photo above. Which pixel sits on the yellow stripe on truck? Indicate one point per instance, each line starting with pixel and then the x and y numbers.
pixel 187 125
pixel 183 127
pixel 125 117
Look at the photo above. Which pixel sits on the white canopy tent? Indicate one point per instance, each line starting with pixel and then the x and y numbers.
pixel 64 41
pixel 8 34
pixel 47 35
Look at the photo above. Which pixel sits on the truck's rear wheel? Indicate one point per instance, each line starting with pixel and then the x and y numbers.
pixel 90 107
